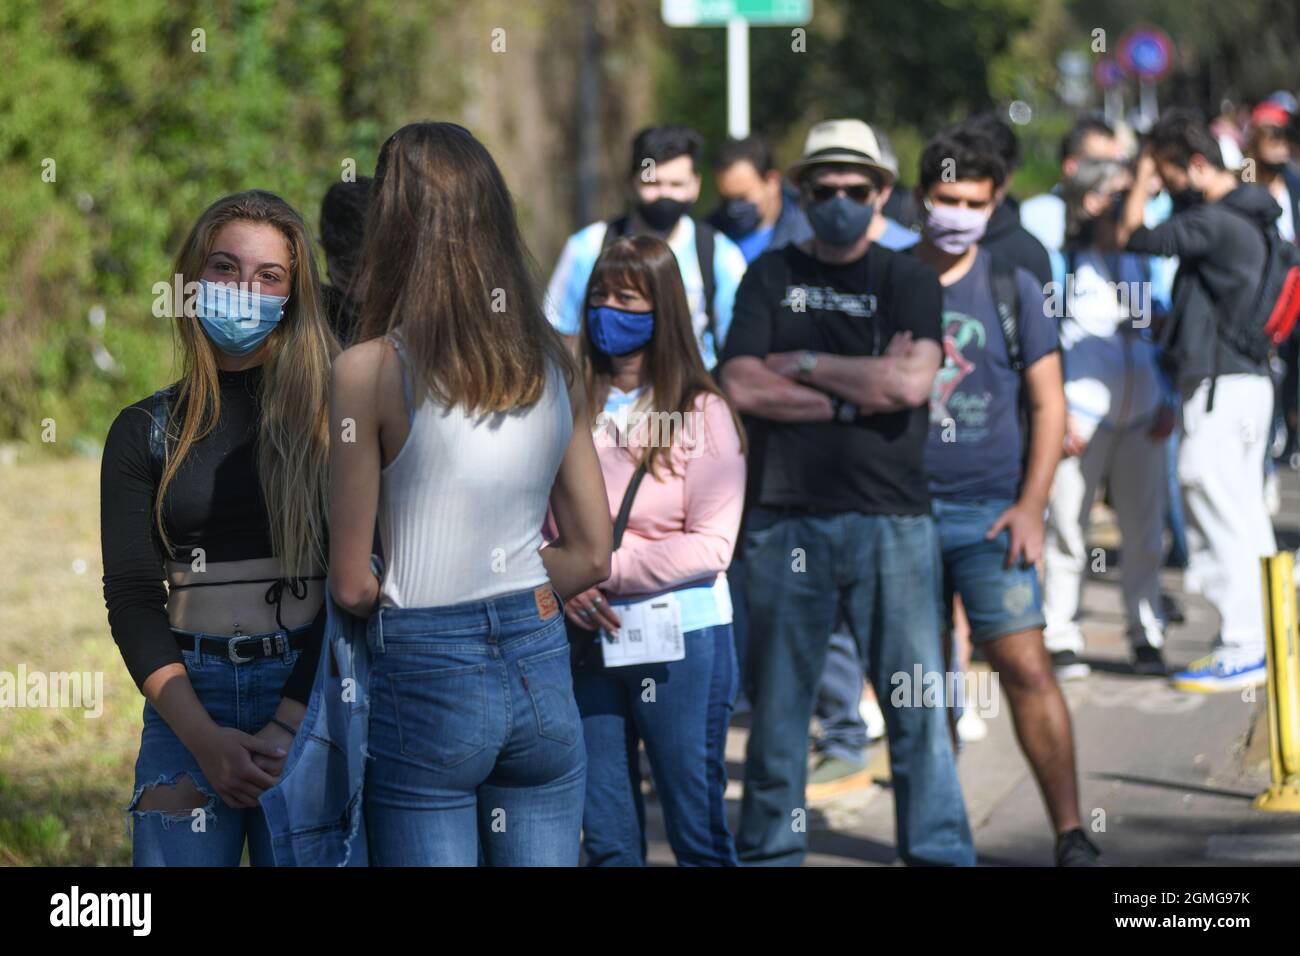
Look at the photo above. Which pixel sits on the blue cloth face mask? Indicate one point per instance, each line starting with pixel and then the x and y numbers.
pixel 840 221
pixel 235 319
pixel 618 332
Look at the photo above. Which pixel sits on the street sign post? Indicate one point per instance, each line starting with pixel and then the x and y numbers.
pixel 716 13
pixel 1148 54
pixel 1108 75
pixel 737 16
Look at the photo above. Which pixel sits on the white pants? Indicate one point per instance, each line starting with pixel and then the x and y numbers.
pixel 1221 472
pixel 1133 466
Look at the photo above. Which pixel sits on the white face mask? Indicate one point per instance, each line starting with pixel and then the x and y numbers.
pixel 954 229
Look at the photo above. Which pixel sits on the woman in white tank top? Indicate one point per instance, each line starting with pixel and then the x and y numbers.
pixel 454 419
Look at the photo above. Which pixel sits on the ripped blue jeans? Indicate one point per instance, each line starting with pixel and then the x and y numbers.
pixel 234 695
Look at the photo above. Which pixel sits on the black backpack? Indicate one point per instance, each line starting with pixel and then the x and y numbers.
pixel 1275 307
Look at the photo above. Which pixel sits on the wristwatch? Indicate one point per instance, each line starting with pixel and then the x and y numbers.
pixel 842 411
pixel 807 361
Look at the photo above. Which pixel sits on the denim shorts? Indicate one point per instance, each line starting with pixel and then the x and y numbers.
pixel 244 696
pixel 998 601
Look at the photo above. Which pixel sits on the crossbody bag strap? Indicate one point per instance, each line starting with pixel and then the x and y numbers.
pixel 625 509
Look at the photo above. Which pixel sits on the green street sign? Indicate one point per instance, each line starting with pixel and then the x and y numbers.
pixel 715 13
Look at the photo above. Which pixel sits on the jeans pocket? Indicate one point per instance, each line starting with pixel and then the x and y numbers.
pixel 549 680
pixel 761 530
pixel 441 713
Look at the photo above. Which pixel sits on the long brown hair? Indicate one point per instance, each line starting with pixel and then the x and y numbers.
pixel 672 366
pixel 293 433
pixel 443 259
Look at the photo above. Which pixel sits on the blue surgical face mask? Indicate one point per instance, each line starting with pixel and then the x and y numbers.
pixel 618 332
pixel 235 319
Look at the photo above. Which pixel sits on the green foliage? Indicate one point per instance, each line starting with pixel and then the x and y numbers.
pixel 142 131
pixel 1241 50
pixel 146 122
pixel 34 839
pixel 911 67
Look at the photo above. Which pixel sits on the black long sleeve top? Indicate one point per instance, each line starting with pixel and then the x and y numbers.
pixel 215 503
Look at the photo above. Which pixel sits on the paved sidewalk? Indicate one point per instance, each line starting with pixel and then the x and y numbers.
pixel 1168 776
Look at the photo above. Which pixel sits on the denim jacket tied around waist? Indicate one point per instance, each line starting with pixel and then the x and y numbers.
pixel 314 813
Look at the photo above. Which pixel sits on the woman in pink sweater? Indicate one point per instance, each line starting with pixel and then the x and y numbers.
pixel 655 656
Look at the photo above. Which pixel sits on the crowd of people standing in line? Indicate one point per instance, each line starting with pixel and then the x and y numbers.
pixel 887 411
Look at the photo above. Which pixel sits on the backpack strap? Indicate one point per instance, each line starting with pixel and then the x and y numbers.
pixel 1006 298
pixel 615 230
pixel 704 236
pixel 1006 301
pixel 160 409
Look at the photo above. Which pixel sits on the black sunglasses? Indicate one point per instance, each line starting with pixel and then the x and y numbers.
pixel 860 192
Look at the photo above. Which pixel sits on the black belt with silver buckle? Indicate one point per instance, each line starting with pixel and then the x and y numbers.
pixel 241 649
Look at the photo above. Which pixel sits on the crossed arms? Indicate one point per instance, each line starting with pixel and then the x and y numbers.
pixel 774 388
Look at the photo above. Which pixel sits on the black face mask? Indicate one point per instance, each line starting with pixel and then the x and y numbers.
pixel 738 218
pixel 663 213
pixel 1273 168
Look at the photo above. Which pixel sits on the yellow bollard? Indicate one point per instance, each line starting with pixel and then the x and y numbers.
pixel 1283 656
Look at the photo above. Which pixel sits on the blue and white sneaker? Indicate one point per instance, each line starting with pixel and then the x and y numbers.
pixel 1219 672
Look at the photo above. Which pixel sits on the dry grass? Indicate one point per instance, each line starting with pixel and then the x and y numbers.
pixel 64 778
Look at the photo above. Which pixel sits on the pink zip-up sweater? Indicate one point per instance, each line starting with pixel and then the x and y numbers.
pixel 683 526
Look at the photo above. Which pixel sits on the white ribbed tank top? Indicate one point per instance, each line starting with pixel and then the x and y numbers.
pixel 462 505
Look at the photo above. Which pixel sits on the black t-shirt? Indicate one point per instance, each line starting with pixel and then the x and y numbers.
pixel 215 503
pixel 876 463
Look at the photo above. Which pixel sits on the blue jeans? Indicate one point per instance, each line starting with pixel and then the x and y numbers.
pixel 234 695
pixel 839 701
pixel 475 743
pixel 882 573
pixel 739 615
pixel 681 710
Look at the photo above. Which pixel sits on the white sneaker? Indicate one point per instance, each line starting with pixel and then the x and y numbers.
pixel 869 710
pixel 971 726
pixel 1272 495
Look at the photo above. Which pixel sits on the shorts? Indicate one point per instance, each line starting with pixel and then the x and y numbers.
pixel 998 601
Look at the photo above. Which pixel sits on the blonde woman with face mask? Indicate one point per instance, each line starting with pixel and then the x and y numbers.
pixel 213 505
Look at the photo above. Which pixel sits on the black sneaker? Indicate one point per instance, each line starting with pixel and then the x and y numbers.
pixel 1073 848
pixel 1172 610
pixel 1149 660
pixel 1069 667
